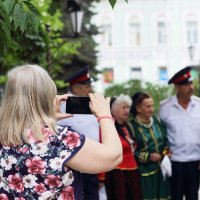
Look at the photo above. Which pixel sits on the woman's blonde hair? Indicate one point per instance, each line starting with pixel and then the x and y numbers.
pixel 27 104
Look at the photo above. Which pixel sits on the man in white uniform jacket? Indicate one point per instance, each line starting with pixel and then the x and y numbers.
pixel 181 115
pixel 80 85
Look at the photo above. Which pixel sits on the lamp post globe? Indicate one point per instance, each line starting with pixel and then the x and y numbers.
pixel 76 16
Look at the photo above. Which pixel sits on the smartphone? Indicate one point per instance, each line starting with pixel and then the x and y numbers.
pixel 78 105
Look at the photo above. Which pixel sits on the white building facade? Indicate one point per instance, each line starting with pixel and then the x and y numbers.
pixel 146 39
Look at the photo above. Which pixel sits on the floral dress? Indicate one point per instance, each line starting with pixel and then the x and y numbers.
pixel 37 170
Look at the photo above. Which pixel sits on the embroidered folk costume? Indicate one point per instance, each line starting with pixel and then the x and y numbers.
pixel 151 138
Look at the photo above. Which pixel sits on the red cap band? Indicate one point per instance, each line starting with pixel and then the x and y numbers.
pixel 82 78
pixel 182 78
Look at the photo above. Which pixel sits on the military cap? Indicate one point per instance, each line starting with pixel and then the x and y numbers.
pixel 181 77
pixel 81 76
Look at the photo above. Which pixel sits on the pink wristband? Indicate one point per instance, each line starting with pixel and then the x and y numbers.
pixel 105 117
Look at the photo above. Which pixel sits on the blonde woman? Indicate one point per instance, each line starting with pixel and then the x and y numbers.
pixel 39 160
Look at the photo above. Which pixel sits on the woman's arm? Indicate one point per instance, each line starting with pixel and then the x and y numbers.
pixel 95 157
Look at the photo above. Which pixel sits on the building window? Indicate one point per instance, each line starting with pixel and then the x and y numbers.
pixel 192 32
pixel 161 32
pixel 136 73
pixel 106 33
pixel 108 75
pixel 163 74
pixel 135 33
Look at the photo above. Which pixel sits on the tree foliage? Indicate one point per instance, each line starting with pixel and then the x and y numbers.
pixel 39 45
pixel 16 15
pixel 86 52
pixel 24 37
pixel 22 15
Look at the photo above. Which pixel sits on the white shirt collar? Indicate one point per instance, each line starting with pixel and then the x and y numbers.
pixel 175 101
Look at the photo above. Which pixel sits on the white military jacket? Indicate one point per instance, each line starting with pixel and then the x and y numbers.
pixel 183 128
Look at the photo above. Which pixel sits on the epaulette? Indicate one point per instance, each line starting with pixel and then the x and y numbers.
pixel 196 98
pixel 163 102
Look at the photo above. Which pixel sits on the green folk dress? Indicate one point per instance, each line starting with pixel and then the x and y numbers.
pixel 151 138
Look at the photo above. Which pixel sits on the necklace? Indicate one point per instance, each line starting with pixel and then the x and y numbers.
pixel 147 125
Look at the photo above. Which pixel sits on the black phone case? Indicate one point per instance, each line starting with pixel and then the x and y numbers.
pixel 78 105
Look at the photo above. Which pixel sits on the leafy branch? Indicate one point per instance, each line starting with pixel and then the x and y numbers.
pixel 14 15
pixel 20 15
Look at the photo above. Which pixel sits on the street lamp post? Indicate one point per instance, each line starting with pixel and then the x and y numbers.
pixel 76 17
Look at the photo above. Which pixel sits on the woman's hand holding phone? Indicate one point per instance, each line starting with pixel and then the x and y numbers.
pixel 99 105
pixel 57 103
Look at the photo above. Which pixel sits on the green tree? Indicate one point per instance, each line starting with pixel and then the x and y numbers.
pixel 24 38
pixel 59 55
pixel 86 52
pixel 22 15
pixel 40 47
pixel 128 88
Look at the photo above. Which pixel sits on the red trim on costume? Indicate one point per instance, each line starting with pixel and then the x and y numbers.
pixel 182 78
pixel 129 161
